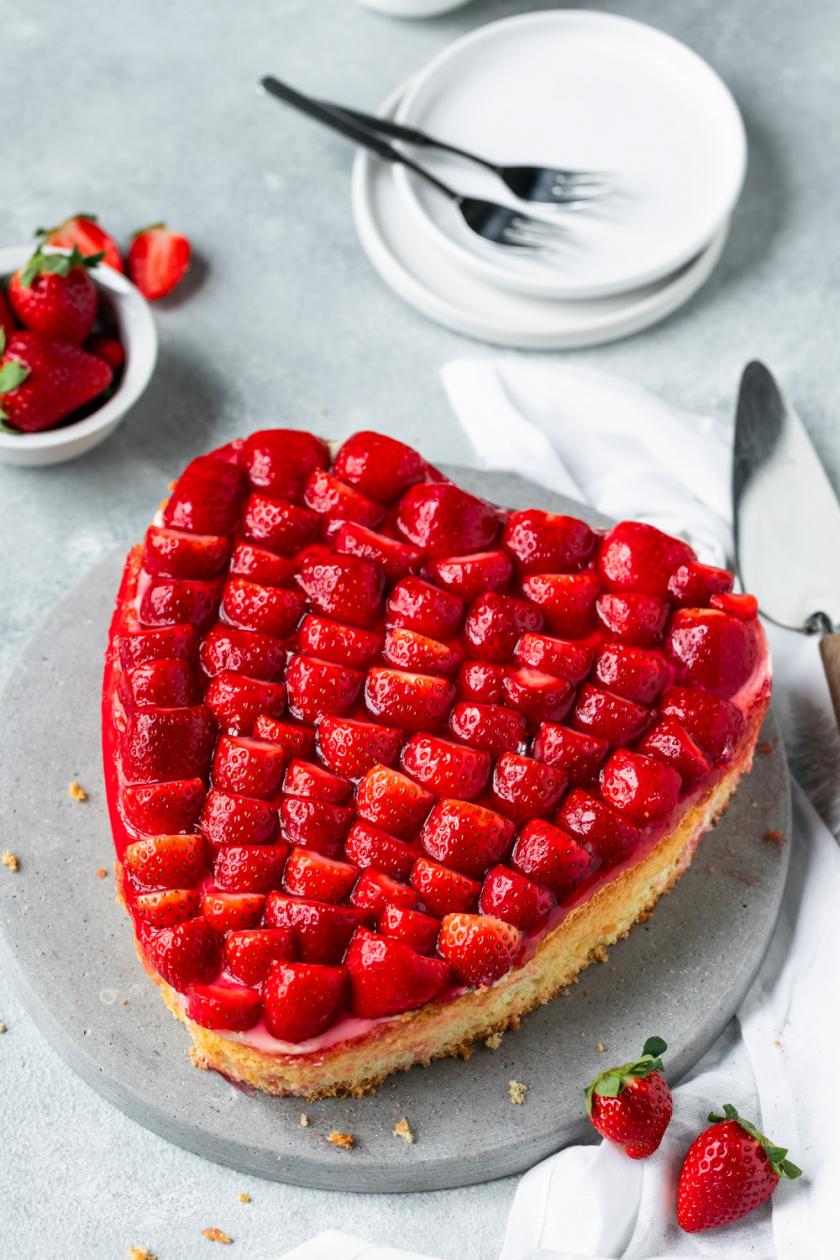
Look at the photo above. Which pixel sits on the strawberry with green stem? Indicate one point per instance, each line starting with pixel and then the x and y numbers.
pixel 82 232
pixel 43 381
pixel 53 294
pixel 632 1104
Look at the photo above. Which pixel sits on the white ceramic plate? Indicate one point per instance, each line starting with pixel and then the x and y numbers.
pixel 582 90
pixel 423 272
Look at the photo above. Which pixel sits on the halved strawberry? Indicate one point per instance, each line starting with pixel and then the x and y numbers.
pixel 228 818
pixel 231 1007
pixel 546 543
pixel 576 753
pixel 609 717
pixel 480 949
pixel 633 672
pixel 236 701
pixel 315 825
pixel 418 930
pixel 313 875
pixel 167 906
pixel 488 726
pixel 206 497
pixel 379 465
pixel 317 687
pixel 242 652
pixel 712 650
pixel 279 461
pixel 375 889
pixel 566 600
pixel 692 585
pixel 392 802
pixel 388 977
pixel 482 681
pixel 298 741
pixel 167 642
pixel 332 498
pixel 466 836
pixel 348 588
pixel 423 607
pixel 611 835
pixel 446 768
pixel 396 559
pixel 468 576
pixel 167 861
pixel 524 788
pixel 547 855
pixel 445 520
pixel 715 724
pixel 634 618
pixel 406 649
pixel 540 696
pixel 571 659
pixel 173 601
pixel 168 743
pixel 511 897
pixel 351 747
pixel 278 524
pixel 671 743
pixel 82 232
pixel 321 931
pixel 163 684
pixel 441 889
pixel 495 622
pixel 342 644
pixel 254 868
pixel 260 565
pixel 157 809
pixel 410 701
pixel 304 778
pixel 301 999
pixel 175 553
pixel 640 558
pixel 157 260
pixel 186 954
pixel 744 607
pixel 367 845
pixel 231 911
pixel 271 610
pixel 641 787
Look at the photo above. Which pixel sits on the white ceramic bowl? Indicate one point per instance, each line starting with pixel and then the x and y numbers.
pixel 137 333
pixel 413 8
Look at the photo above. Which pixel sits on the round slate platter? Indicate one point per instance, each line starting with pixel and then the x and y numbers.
pixel 681 975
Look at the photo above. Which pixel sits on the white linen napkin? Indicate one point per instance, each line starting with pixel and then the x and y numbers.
pixel 607 442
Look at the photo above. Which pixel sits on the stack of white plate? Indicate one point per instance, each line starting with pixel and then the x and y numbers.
pixel 566 88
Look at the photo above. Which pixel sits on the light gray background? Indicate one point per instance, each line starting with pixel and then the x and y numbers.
pixel 142 112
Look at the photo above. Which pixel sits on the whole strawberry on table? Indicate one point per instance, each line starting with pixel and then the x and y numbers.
pixel 632 1104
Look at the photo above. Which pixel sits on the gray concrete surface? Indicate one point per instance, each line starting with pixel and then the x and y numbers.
pixel 148 111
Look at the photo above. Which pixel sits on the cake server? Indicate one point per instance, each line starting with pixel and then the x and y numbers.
pixel 787 519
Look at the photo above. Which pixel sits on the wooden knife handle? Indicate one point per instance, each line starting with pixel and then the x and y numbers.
pixel 830 653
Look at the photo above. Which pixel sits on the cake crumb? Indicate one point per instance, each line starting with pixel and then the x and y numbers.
pixel 764 747
pixel 123 1001
pixel 494 1041
pixel 775 837
pixel 101 872
pixel 244 1197
pixel 778 1043
pixel 304 1120
pixel 216 1235
pixel 600 954
pixel 403 1129
pixel 345 1141
pixel 141 1253
pixel 10 860
pixel 517 1092
pixel 3 1029
pixel 76 792
pixel 600 1047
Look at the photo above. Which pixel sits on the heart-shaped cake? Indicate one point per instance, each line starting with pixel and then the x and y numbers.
pixel 388 765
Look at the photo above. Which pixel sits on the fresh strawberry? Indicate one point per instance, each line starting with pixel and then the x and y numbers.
pixel 315 825
pixel 524 788
pixel 167 861
pixel 250 953
pixel 410 701
pixel 260 565
pixel 186 954
pixel 548 856
pixel 158 809
pixel 406 649
pixel 495 622
pixel 228 912
pixel 392 802
pixel 715 724
pixel 231 819
pixel 333 499
pixel 270 610
pixel 488 726
pixel 446 521
pixel 576 753
pixel 236 701
pixel 728 1171
pixel 561 657
pixel 466 836
pixel 608 716
pixel 164 684
pixel 310 874
pixel 566 600
pixel 176 554
pixel 206 497
pixel 7 319
pixel 279 524
pixel 693 585
pixel 342 644
pixel 376 889
pixel 634 618
pixel 53 294
pixel 509 896
pixel 671 743
pixel 367 845
pixel 82 232
pixel 379 466
pixel 712 650
pixel 351 747
pixel 231 1007
pixel 643 788
pixel 443 890
pixel 640 558
pixel 175 601
pixel 168 744
pixel 396 559
pixel 43 381
pixel 168 906
pixel 303 778
pixel 109 349
pixel 418 930
pixel 469 576
pixel 225 649
pixel 540 696
pixel 298 741
pixel 301 999
pixel 321 931
pixel 545 543
pixel 594 823
pixel 316 688
pixel 157 260
pixel 479 949
pixel 167 642
pixel 631 672
pixel 632 1104
pixel 345 587
pixel 744 607
pixel 278 461
pixel 250 868
pixel 388 977
pixel 483 681
pixel 420 606
pixel 446 768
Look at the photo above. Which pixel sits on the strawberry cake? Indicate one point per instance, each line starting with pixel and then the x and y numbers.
pixel 388 766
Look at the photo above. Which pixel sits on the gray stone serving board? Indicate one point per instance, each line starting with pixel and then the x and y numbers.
pixel 70 948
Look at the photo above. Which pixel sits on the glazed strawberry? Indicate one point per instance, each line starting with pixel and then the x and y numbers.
pixel 175 601
pixel 228 912
pixel 469 576
pixel 466 836
pixel 744 607
pixel 509 896
pixel 206 497
pixel 488 726
pixel 577 753
pixel 310 874
pixel 231 1007
pixel 186 954
pixel 315 825
pixel 641 787
pixel 236 701
pixel 633 618
pixel 418 930
pixel 165 684
pixel 479 949
pixel 564 658
pixel 607 716
pixel 301 999
pixel 388 977
pixel 392 802
pixel 174 553
pixel 167 861
pixel 226 649
pixel 367 845
pixel 53 295
pixel 321 931
pixel 446 521
pixel 334 641
pixel 168 743
pixel 298 741
pixel 316 688
pixel 167 642
pixel 423 607
pixel 410 701
pixel 158 809
pixel 406 649
pixel 632 1104
pixel 483 681
pixel 396 559
pixel 548 856
pixel 279 461
pixel 279 524
pixel 566 600
pixel 693 585
pixel 524 788
pixel 43 381
pixel 546 543
pixel 7 319
pixel 670 742
pixel 640 558
pixel 333 499
pixel 168 906
pixel 712 650
pixel 157 260
pixel 729 1170
pixel 715 724
pixel 351 747
pixel 346 588
pixel 231 819
pixel 375 889
pixel 250 953
pixel 260 565
pixel 250 868
pixel 82 232
pixel 270 610
pixel 379 466
pixel 446 768
pixel 495 622
pixel 305 779
pixel 595 824
pixel 540 696
pixel 631 672
pixel 443 890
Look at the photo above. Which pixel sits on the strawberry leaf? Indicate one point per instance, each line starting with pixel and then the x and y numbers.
pixel 610 1083
pixel 781 1166
pixel 12 374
